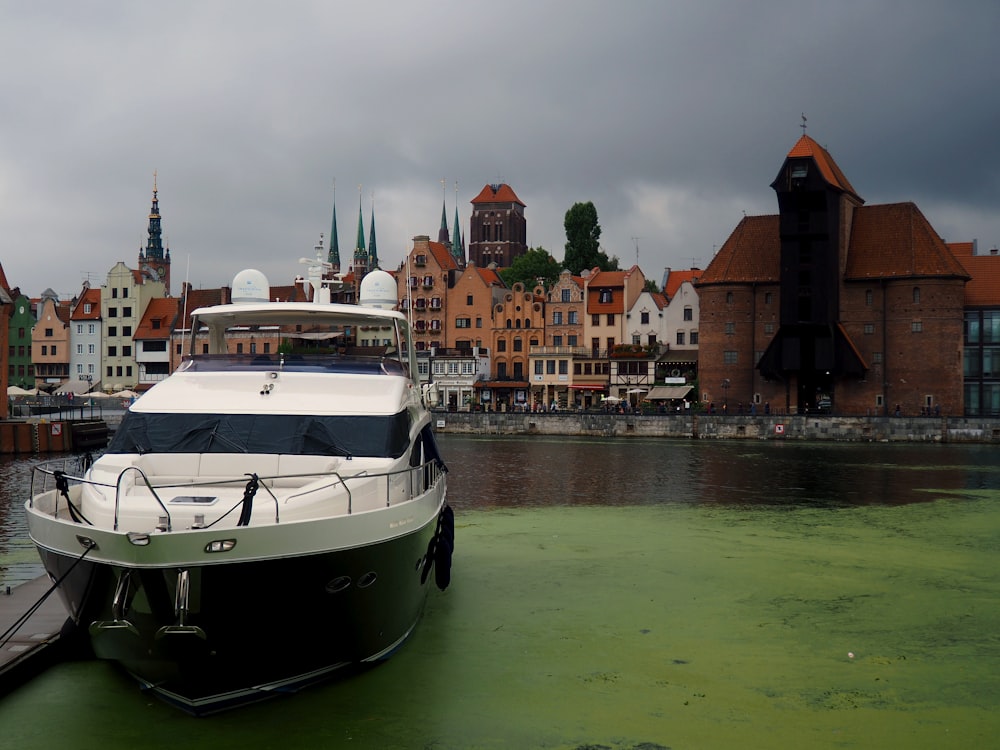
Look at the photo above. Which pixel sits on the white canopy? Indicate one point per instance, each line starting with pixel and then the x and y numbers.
pixel 667 392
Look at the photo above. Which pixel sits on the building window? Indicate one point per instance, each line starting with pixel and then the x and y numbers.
pixel 468 299
pixel 550 367
pixel 876 358
pixel 126 312
pixel 869 329
pixel 680 338
pixel 463 322
pixel 565 296
pixel 563 367
pixel 517 345
pixel 611 319
pixel 126 330
pixel 730 329
pixel 644 318
pixel 112 312
pixel 869 297
pixel 694 338
pixel 768 329
pixel 502 345
pixel 557 318
pixel 768 298
pixel 573 318
pixel 595 320
pixel 729 298
pixel 571 340
pixel 916 295
pixel 557 341
pixel 604 295
pixel 479 322
pixel 87 307
pixel 917 326
pixel 539 367
pixel 239 348
pixel 688 313
pixel 90 328
pixel 729 357
pixel 126 351
pixel 112 351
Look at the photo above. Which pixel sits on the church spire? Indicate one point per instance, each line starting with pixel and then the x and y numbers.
pixel 457 251
pixel 443 231
pixel 154 245
pixel 333 256
pixel 372 251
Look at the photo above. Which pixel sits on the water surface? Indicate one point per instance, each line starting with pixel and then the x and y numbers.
pixel 648 594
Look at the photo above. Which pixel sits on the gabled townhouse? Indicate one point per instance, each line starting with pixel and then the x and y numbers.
pixel 470 305
pixel 609 297
pixel 86 330
pixel 557 365
pixel 20 370
pixel 50 341
pixel 423 281
pixel 680 327
pixel 124 297
pixel 152 341
pixel 518 325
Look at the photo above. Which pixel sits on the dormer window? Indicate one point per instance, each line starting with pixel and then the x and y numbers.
pixel 799 171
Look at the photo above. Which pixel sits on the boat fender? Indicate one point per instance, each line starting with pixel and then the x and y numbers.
pixel 445 547
pixel 248 494
pixel 439 550
pixel 62 486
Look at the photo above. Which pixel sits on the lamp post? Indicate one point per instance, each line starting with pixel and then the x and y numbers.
pixel 725 395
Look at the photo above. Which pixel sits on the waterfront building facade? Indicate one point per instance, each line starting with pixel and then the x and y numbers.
pixel 152 341
pixel 124 297
pixel 86 333
pixel 20 370
pixel 423 281
pixel 50 343
pixel 981 329
pixel 832 304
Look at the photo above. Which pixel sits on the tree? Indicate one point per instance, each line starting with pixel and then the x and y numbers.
pixel 651 286
pixel 536 265
pixel 583 235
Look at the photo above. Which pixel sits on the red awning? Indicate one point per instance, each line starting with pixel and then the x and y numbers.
pixel 588 387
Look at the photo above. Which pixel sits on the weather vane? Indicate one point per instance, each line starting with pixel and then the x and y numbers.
pixel 803 125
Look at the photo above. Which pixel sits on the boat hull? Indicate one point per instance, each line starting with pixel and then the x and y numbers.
pixel 246 630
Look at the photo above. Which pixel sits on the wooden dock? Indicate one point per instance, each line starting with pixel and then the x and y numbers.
pixel 40 641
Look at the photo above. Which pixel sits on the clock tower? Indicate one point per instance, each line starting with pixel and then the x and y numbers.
pixel 154 261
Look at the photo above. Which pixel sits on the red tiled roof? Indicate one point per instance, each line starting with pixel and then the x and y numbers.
pixel 442 254
pixel 807 147
pixel 983 289
pixel 660 300
pixel 751 254
pixel 202 298
pixel 163 309
pixel 489 276
pixel 92 296
pixel 895 240
pixel 502 193
pixel 676 278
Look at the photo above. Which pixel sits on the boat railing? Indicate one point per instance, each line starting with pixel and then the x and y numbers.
pixel 416 480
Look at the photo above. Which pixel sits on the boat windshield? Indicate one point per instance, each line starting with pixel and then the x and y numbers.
pixel 303 434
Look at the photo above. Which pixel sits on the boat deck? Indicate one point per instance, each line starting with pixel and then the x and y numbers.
pixel 35 645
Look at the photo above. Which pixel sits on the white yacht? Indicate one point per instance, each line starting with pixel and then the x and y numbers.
pixel 260 519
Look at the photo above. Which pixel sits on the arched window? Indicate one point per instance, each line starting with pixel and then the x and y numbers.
pixel 729 298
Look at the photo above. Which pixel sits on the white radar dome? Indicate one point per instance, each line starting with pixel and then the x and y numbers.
pixel 378 289
pixel 250 286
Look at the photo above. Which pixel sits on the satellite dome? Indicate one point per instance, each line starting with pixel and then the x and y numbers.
pixel 250 286
pixel 378 289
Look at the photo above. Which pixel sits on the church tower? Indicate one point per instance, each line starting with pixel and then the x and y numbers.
pixel 498 231
pixel 154 261
pixel 333 256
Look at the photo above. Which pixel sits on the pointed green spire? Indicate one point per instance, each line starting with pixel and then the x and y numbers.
pixel 456 243
pixel 372 251
pixel 359 248
pixel 443 231
pixel 333 256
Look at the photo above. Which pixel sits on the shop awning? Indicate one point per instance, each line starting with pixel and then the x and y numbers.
pixel 667 392
pixel 501 384
pixel 588 387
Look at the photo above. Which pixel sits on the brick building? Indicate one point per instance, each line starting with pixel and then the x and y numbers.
pixel 832 304
pixel 498 230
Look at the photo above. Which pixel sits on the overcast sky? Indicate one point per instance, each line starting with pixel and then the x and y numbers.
pixel 672 117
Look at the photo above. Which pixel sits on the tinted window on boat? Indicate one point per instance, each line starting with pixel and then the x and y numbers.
pixel 386 436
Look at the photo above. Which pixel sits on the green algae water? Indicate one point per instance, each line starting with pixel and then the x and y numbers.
pixel 696 596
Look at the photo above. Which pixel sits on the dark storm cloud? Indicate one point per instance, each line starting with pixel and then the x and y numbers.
pixel 672 117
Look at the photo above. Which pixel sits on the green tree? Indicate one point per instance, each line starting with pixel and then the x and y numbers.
pixel 651 286
pixel 535 266
pixel 583 240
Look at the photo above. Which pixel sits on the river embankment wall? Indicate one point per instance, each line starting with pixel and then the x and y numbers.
pixel 729 427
